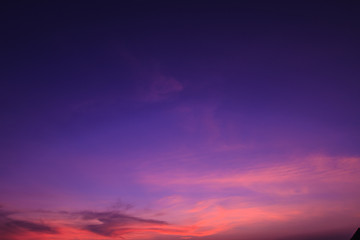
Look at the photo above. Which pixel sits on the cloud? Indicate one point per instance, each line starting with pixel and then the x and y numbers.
pixel 79 225
pixel 284 179
pixel 308 195
pixel 311 191
pixel 160 88
pixel 120 205
pixel 113 223
pixel 10 227
pixel 14 225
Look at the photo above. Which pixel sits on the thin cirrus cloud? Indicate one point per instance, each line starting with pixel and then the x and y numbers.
pixel 203 205
pixel 159 88
pixel 298 192
pixel 312 192
pixel 265 178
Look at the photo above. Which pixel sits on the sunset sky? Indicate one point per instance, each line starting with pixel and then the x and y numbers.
pixel 173 120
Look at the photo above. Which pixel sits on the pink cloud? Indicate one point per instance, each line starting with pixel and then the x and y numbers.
pixel 267 178
pixel 311 192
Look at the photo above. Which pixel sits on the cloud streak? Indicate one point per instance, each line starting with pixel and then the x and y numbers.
pixel 159 87
pixel 298 177
pixel 210 204
pixel 302 191
pixel 78 225
pixel 115 224
pixel 11 228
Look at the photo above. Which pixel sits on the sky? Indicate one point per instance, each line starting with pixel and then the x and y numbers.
pixel 201 120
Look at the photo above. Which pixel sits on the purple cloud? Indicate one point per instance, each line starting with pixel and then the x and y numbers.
pixel 113 223
pixel 10 227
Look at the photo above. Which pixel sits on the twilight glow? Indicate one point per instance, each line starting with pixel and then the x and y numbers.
pixel 180 120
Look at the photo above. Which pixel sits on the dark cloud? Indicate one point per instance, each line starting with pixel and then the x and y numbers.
pixel 20 225
pixel 4 213
pixel 113 222
pixel 120 205
pixel 10 227
pixel 111 216
pixel 105 223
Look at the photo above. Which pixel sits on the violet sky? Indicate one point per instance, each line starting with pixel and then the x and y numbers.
pixel 226 120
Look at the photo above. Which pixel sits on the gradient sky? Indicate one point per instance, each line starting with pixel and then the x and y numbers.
pixel 179 120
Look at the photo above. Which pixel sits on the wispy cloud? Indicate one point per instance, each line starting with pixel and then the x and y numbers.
pixel 115 223
pixel 78 225
pixel 298 191
pixel 297 177
pixel 199 204
pixel 159 87
pixel 11 228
